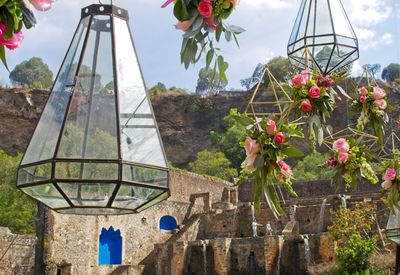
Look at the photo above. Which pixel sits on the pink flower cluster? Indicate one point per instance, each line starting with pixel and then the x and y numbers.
pixel 342 147
pixel 13 42
pixel 279 138
pixel 314 92
pixel 378 95
pixel 389 177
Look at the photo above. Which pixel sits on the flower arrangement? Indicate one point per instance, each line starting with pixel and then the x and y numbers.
pixel 371 104
pixel 313 97
pixel 350 161
pixel 391 179
pixel 266 145
pixel 14 15
pixel 199 19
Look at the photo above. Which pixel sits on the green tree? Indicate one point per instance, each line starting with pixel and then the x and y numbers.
pixel 17 210
pixel 213 164
pixel 33 73
pixel 391 72
pixel 160 88
pixel 310 168
pixel 209 83
pixel 278 66
pixel 228 140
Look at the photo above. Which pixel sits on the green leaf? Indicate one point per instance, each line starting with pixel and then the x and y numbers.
pixel 198 23
pixel 218 33
pixel 235 29
pixel 180 11
pixel 3 56
pixel 209 57
pixel 343 92
pixel 2 2
pixel 228 36
pixel 293 152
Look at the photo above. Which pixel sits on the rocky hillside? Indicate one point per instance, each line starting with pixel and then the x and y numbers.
pixel 185 121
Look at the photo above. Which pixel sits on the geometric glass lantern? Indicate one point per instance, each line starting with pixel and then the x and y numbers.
pixel 322 37
pixel 393 226
pixel 96 148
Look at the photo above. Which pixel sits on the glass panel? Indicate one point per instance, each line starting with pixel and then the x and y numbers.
pixel 47 194
pixel 88 194
pixel 139 136
pixel 323 24
pixel 133 196
pixel 145 175
pixel 44 139
pixel 94 211
pixel 34 173
pixel 73 170
pixel 295 32
pixel 153 202
pixel 340 20
pixel 91 127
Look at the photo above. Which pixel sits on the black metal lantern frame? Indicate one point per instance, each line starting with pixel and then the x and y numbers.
pixel 322 37
pixel 96 148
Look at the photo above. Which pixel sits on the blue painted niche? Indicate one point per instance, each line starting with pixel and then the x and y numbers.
pixel 168 223
pixel 110 246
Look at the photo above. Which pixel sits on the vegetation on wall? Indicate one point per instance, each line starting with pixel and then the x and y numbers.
pixel 17 210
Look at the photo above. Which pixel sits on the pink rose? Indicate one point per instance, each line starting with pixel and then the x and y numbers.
pixel 341 146
pixel 390 174
pixel 13 42
pixel 285 167
pixel 379 93
pixel 314 92
pixel 343 157
pixel 279 138
pixel 306 105
pixel 44 5
pixel 209 22
pixel 205 8
pixel 363 98
pixel 381 104
pixel 184 25
pixel 298 81
pixel 250 163
pixel 307 75
pixel 363 91
pixel 271 127
pixel 251 146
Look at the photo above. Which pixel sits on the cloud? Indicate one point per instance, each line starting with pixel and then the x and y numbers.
pixel 384 39
pixel 356 69
pixel 367 13
pixel 275 4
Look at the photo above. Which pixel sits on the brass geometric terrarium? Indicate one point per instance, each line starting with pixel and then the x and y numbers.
pixel 322 36
pixel 96 148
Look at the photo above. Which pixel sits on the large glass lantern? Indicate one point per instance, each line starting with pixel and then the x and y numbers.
pixel 96 148
pixel 322 37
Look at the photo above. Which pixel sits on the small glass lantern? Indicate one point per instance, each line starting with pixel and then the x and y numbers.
pixel 96 148
pixel 322 37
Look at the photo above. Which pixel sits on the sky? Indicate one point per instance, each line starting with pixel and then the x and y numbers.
pixel 268 25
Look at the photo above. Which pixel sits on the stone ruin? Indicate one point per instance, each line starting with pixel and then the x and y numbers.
pixel 212 235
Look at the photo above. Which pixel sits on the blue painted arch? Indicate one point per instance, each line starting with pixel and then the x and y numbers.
pixel 110 246
pixel 168 223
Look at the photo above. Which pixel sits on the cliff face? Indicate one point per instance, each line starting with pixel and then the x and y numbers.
pixel 185 121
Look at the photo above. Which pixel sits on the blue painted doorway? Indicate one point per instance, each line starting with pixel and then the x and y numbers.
pixel 110 246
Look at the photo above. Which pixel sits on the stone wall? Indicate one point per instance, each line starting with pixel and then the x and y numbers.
pixel 72 240
pixel 17 253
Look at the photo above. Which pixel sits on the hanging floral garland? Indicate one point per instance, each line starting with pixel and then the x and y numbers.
pixel 351 162
pixel 371 103
pixel 200 20
pixel 14 15
pixel 391 179
pixel 266 145
pixel 313 97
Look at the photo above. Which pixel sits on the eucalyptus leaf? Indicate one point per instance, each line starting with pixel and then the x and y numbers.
pixel 235 29
pixel 293 152
pixel 3 56
pixel 343 92
pixel 228 36
pixel 209 57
